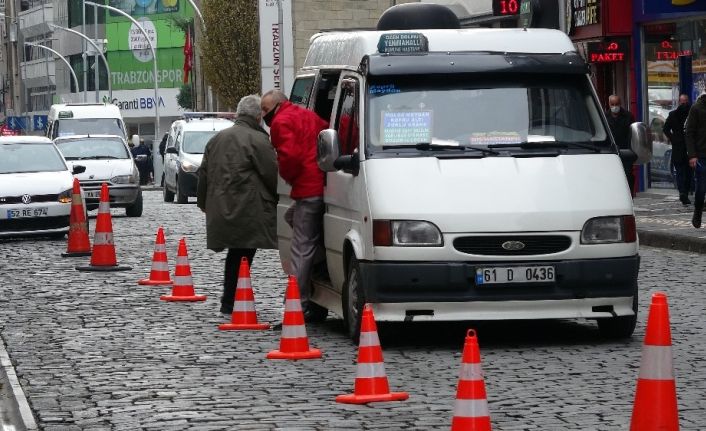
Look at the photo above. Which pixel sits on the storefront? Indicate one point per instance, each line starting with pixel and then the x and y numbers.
pixel 602 32
pixel 670 41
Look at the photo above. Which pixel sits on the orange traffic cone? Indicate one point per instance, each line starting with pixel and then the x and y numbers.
pixel 294 343
pixel 160 269
pixel 370 380
pixel 78 244
pixel 244 315
pixel 655 405
pixel 471 407
pixel 183 288
pixel 103 255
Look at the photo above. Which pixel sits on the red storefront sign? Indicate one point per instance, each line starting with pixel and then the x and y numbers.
pixel 607 52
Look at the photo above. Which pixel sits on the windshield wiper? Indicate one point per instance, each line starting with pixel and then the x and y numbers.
pixel 426 146
pixel 548 144
pixel 97 157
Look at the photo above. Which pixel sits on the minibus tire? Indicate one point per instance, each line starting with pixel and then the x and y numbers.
pixel 351 316
pixel 619 327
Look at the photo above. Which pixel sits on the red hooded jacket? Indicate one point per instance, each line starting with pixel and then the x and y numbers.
pixel 293 132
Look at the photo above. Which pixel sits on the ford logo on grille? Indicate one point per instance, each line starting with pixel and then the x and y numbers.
pixel 513 245
pixel 26 199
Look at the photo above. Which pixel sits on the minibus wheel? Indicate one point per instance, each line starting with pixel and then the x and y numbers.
pixel 619 327
pixel 353 300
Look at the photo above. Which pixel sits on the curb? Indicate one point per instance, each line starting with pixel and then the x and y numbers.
pixel 20 411
pixel 672 241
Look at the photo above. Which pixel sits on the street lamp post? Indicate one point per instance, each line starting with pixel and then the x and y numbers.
pixel 73 74
pixel 154 61
pixel 203 26
pixel 95 46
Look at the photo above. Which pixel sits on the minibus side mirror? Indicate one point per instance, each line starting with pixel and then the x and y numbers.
pixel 640 143
pixel 327 150
pixel 349 163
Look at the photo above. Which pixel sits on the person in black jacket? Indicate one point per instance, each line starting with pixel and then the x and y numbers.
pixel 695 134
pixel 674 131
pixel 619 121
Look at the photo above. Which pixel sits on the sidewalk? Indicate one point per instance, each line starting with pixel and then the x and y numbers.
pixel 662 221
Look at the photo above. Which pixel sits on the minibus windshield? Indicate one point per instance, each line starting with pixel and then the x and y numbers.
pixel 88 126
pixel 521 112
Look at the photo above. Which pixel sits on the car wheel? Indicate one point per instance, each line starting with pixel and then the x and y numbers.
pixel 619 327
pixel 135 210
pixel 353 300
pixel 167 194
pixel 181 199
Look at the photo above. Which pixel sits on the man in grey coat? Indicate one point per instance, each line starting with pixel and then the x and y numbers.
pixel 237 189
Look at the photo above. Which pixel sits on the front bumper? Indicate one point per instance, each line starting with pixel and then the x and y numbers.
pixel 120 195
pixel 590 288
pixel 187 183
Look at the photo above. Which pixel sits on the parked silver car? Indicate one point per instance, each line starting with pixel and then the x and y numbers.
pixel 107 158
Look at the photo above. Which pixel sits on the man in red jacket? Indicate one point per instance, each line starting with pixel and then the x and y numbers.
pixel 293 132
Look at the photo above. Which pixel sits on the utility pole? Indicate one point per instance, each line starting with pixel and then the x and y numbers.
pixel 84 46
pixel 13 59
pixel 96 75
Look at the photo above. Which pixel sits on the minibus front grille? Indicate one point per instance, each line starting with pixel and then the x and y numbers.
pixel 512 245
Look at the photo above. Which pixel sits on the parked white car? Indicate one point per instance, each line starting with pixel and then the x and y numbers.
pixel 35 187
pixel 186 142
pixel 108 160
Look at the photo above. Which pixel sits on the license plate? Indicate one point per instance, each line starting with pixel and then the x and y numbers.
pixel 27 212
pixel 515 274
pixel 93 194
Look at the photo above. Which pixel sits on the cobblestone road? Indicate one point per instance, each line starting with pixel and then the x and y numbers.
pixel 97 351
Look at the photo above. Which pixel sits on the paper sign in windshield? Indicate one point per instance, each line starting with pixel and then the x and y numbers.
pixel 406 127
pixel 495 138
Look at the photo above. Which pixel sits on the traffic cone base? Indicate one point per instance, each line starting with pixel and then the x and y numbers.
pixel 364 399
pixel 371 383
pixel 78 244
pixel 294 343
pixel 172 298
pixel 76 254
pixel 244 326
pixel 244 316
pixel 148 282
pixel 309 354
pixel 471 406
pixel 103 268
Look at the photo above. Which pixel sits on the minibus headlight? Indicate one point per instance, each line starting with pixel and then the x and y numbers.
pixel 606 230
pixel 415 233
pixel 187 166
pixel 65 196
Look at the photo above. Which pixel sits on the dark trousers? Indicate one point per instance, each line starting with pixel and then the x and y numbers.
pixel 700 182
pixel 684 176
pixel 230 278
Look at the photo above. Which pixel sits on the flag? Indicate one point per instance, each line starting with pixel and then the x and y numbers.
pixel 188 50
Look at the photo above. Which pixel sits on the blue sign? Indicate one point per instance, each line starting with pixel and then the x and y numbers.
pixel 39 122
pixel 673 6
pixel 16 123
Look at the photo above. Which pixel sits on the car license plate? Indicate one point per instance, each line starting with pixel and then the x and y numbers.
pixel 27 212
pixel 515 274
pixel 93 194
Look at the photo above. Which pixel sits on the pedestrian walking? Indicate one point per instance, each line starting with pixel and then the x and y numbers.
pixel 695 134
pixel 294 132
pixel 237 189
pixel 162 149
pixel 674 131
pixel 619 121
pixel 143 160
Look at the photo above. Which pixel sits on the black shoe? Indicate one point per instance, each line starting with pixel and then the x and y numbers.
pixel 226 310
pixel 684 199
pixel 696 220
pixel 277 326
